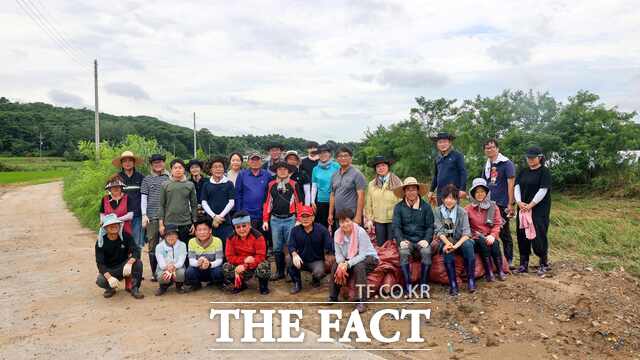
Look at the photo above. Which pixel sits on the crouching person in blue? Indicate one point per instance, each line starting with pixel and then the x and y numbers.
pixel 117 258
pixel 308 244
pixel 413 230
pixel 453 230
pixel 205 257
pixel 171 256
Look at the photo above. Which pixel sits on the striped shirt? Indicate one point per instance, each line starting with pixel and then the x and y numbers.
pixel 151 185
pixel 213 252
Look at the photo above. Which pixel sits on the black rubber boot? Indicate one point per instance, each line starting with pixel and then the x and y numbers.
pixel 264 286
pixel 497 260
pixel 135 292
pixel 424 278
pixel 470 266
pixel 280 264
pixel 108 293
pixel 180 288
pixel 488 271
pixel 451 275
pixel 406 274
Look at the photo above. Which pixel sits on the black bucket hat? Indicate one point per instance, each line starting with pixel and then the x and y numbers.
pixel 534 151
pixel 381 159
pixel 282 164
pixel 194 162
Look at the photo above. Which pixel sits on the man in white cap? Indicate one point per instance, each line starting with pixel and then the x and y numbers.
pixel 132 179
pixel 117 258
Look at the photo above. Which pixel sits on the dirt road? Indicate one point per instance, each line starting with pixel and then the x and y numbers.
pixel 51 308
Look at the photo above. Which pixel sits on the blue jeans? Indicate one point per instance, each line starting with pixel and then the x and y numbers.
pixel 467 250
pixel 280 230
pixel 196 275
pixel 137 231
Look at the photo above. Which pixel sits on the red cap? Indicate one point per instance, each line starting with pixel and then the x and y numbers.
pixel 306 210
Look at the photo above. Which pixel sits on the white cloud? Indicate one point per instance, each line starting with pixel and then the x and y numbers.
pixel 317 69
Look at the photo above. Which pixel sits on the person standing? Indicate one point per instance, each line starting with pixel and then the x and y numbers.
pixel 218 199
pixel 449 168
pixel 150 206
pixel 413 230
pixel 178 202
pixel 132 179
pixel 307 245
pixel 311 160
pixel 321 184
pixel 235 166
pixel 347 187
pixel 279 212
pixel 195 168
pixel 117 202
pixel 299 176
pixel 381 200
pixel 251 190
pixel 500 175
pixel 275 154
pixel 533 196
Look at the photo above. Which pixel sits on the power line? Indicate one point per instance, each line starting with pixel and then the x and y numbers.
pixel 60 33
pixel 34 17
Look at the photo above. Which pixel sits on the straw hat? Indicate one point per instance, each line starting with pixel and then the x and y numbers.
pixel 117 162
pixel 422 188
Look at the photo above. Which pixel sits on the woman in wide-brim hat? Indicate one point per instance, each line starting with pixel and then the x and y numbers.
pixel 117 162
pixel 381 199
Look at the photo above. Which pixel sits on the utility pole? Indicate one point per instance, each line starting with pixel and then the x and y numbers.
pixel 194 135
pixel 97 111
pixel 40 145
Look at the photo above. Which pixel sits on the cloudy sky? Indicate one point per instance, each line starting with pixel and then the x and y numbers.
pixel 320 70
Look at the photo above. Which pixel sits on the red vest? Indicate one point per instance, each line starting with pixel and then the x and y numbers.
pixel 121 210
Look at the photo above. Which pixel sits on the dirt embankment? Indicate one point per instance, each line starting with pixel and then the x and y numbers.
pixel 50 307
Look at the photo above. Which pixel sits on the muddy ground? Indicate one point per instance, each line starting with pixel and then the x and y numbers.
pixel 50 307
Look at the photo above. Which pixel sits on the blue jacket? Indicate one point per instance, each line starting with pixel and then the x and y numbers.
pixel 321 178
pixel 251 192
pixel 449 169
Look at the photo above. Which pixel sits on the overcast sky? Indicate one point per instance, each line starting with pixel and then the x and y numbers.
pixel 315 69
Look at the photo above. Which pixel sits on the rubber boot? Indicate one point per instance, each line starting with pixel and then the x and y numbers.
pixel 280 264
pixel 406 273
pixel 497 260
pixel 470 265
pixel 424 278
pixel 451 275
pixel 488 269
pixel 135 292
pixel 264 286
pixel 297 284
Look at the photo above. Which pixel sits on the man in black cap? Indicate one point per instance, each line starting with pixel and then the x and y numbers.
pixel 449 168
pixel 275 154
pixel 150 189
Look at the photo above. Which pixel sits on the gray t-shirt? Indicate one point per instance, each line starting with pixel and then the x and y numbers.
pixel 345 188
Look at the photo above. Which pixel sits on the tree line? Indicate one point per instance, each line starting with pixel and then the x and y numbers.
pixel 583 139
pixel 62 129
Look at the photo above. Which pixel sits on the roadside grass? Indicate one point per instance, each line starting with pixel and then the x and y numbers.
pixel 32 177
pixel 600 231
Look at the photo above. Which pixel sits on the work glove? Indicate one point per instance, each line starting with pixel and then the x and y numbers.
pixel 145 221
pixel 297 261
pixel 341 275
pixel 126 270
pixel 404 244
pixel 423 243
pixel 167 275
pixel 113 282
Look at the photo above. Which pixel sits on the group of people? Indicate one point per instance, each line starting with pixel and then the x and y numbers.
pixel 220 223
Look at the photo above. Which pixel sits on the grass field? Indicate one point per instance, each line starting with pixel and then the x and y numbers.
pixel 34 170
